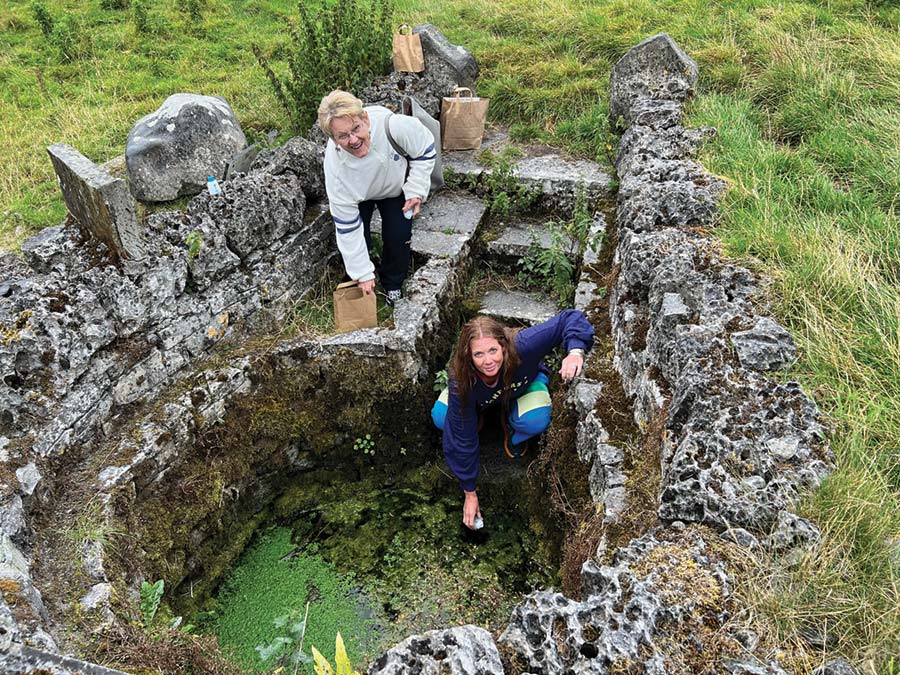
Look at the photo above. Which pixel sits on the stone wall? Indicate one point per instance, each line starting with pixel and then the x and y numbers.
pixel 736 447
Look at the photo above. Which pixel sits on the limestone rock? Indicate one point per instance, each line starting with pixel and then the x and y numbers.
pixel 766 346
pixel 254 210
pixel 437 48
pixel 299 156
pixel 464 650
pixel 639 612
pixel 655 68
pixel 838 666
pixel 99 203
pixel 791 532
pixel 172 151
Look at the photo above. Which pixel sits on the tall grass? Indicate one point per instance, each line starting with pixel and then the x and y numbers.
pixel 806 97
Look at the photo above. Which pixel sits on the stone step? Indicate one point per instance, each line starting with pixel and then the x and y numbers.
pixel 559 179
pixel 515 241
pixel 517 307
pixel 444 226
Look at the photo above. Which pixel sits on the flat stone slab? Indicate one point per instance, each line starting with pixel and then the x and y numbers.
pixel 464 162
pixel 101 204
pixel 437 244
pixel 515 241
pixel 557 178
pixel 517 307
pixel 447 212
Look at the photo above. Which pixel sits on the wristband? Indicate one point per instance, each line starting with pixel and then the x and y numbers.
pixel 577 350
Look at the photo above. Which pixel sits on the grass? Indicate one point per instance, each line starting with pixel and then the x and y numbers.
pixel 806 97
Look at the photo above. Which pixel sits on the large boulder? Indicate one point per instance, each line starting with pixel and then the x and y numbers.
pixel 172 151
pixel 657 68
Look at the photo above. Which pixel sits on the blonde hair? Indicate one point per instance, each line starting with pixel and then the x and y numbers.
pixel 338 104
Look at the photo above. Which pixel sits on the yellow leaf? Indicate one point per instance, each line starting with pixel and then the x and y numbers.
pixel 321 665
pixel 341 660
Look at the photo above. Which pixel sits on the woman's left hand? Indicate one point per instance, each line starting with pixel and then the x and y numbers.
pixel 415 204
pixel 571 366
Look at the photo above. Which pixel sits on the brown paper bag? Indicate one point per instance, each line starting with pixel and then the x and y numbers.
pixel 462 120
pixel 353 309
pixel 408 56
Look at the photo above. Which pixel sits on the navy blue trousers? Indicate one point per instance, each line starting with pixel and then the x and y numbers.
pixel 396 233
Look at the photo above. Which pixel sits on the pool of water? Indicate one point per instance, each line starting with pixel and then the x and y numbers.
pixel 383 557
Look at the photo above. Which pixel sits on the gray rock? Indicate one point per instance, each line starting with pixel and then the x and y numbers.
pixel 791 532
pixel 627 611
pixel 172 151
pixel 838 666
pixel 517 307
pixel 254 210
pixel 741 537
pixel 752 666
pixel 515 242
pixel 12 517
pixel 98 597
pixel 559 181
pixel 437 48
pixel 655 68
pixel 766 346
pixel 29 477
pixel 99 203
pixel 301 157
pixel 464 650
pixel 819 639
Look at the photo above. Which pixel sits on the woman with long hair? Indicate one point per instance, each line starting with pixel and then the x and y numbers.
pixel 495 365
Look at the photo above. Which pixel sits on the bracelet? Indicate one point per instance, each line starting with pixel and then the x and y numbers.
pixel 576 350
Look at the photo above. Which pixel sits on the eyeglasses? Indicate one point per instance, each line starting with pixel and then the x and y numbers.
pixel 357 130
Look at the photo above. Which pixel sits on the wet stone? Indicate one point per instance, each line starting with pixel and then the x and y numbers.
pixel 515 242
pixel 517 307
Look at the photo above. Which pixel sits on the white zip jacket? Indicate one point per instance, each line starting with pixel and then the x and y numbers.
pixel 380 174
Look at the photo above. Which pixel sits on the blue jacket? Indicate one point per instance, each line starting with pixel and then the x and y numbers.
pixel 569 328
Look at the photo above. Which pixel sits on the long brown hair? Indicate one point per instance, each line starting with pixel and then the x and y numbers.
pixel 462 368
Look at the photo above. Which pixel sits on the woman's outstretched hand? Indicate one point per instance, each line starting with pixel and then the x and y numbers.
pixel 414 204
pixel 571 367
pixel 470 509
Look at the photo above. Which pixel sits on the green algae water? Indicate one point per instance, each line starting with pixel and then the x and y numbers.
pixel 382 558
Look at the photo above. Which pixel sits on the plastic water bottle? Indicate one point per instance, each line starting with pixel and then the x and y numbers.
pixel 212 186
pixel 478 524
pixel 409 214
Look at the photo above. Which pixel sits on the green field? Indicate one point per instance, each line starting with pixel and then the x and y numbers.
pixel 806 97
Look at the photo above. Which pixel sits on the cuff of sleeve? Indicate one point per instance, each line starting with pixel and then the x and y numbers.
pixel 467 485
pixel 367 277
pixel 408 195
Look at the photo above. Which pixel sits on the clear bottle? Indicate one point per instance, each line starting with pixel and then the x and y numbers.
pixel 212 186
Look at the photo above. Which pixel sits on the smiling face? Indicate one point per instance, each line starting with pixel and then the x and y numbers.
pixel 487 356
pixel 352 134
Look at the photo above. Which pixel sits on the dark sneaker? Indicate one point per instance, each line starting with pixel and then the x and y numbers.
pixel 393 296
pixel 513 450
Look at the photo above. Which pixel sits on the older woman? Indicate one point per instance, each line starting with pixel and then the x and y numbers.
pixel 493 364
pixel 363 171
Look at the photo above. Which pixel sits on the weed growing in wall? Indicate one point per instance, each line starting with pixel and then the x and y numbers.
pixel 553 267
pixel 340 45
